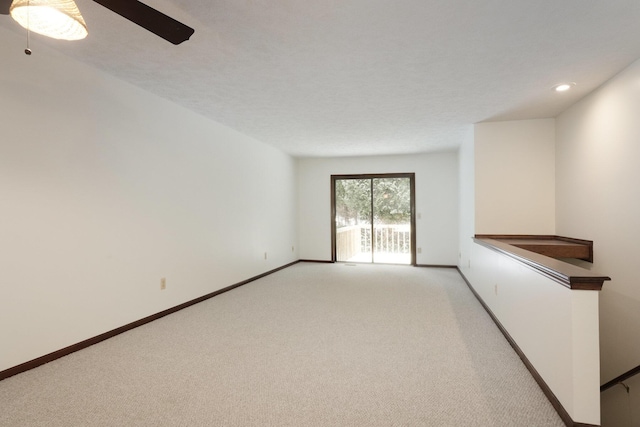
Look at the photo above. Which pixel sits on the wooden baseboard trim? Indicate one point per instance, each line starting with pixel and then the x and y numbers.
pixel 437 266
pixel 416 265
pixel 564 415
pixel 94 340
pixel 323 261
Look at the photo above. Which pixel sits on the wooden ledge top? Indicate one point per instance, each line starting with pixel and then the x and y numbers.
pixel 551 246
pixel 568 275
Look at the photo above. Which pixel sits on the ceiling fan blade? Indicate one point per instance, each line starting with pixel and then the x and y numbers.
pixel 4 6
pixel 149 18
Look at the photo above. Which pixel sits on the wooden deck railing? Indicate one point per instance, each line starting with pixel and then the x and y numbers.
pixel 348 242
pixel 389 238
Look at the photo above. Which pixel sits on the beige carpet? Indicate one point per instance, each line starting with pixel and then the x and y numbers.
pixel 311 345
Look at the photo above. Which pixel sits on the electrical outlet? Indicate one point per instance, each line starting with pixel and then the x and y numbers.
pixel 163 284
pixel 495 289
pixel 293 248
pixel 265 255
pixel 419 250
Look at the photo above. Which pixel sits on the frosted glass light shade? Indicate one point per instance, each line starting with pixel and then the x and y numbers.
pixel 59 19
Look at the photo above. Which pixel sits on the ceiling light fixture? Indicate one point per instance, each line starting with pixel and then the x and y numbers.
pixel 563 87
pixel 58 19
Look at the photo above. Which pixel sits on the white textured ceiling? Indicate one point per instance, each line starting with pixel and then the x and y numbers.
pixel 365 77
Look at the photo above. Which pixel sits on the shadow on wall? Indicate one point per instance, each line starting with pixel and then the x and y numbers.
pixel 621 408
pixel 618 313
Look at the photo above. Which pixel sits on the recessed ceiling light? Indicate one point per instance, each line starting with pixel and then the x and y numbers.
pixel 563 87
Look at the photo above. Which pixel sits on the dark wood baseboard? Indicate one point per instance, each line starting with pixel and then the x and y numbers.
pixel 416 265
pixel 91 341
pixel 564 415
pixel 437 266
pixel 318 260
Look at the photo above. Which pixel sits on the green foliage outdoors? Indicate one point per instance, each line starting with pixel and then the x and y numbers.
pixel 391 201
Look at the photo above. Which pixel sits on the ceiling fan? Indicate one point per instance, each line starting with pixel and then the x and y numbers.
pixel 139 13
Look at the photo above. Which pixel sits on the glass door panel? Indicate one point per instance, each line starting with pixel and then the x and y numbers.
pixel 353 220
pixel 391 199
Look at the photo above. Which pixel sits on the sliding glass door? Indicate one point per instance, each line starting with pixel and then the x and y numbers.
pixel 373 218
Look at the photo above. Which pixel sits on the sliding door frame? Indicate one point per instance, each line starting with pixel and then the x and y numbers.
pixel 412 195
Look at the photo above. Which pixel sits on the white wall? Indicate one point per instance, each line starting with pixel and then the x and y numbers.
pixel 515 177
pixel 466 195
pixel 105 188
pixel 598 149
pixel 436 201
